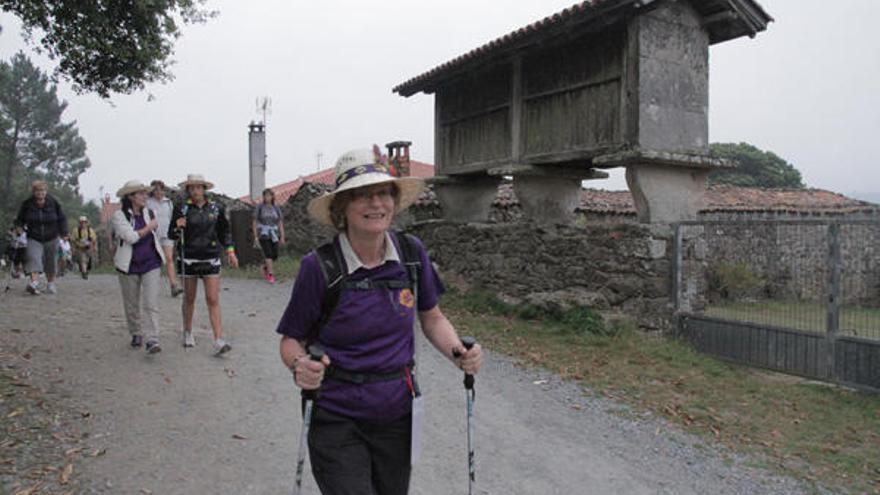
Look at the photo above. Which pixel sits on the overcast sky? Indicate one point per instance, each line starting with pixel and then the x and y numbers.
pixel 807 88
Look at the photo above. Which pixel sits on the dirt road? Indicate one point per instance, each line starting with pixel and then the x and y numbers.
pixel 185 422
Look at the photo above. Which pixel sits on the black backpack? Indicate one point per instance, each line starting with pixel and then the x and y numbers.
pixel 336 274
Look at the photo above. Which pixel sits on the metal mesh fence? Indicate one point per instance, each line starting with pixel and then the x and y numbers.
pixel 783 274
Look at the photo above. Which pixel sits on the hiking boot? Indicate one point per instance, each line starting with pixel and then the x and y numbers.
pixel 136 341
pixel 51 288
pixel 176 291
pixel 188 339
pixel 221 347
pixel 153 346
pixel 85 275
pixel 33 288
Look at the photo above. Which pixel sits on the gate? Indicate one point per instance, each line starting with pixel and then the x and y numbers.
pixel 800 297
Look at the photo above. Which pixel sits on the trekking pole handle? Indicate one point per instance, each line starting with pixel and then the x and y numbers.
pixel 468 343
pixel 316 353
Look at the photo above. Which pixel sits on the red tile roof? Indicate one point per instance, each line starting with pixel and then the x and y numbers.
pixel 284 191
pixel 723 198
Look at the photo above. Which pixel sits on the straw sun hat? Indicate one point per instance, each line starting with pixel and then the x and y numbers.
pixel 195 180
pixel 359 168
pixel 131 186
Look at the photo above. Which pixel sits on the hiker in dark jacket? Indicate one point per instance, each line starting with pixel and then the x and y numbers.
pixel 202 228
pixel 42 217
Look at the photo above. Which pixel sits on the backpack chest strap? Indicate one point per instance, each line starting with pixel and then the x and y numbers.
pixel 367 284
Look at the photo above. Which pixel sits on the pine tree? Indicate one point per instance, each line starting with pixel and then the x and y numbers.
pixel 35 142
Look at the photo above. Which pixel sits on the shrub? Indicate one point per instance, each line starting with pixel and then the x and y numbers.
pixel 732 281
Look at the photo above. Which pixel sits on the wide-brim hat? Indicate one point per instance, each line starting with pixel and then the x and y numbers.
pixel 83 218
pixel 195 180
pixel 360 168
pixel 132 186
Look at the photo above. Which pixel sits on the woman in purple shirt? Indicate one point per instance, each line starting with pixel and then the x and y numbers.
pixel 138 260
pixel 359 441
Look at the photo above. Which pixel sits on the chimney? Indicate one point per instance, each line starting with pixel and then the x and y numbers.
pixel 398 157
pixel 257 159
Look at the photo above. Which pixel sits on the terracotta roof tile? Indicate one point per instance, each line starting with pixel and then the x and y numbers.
pixel 284 191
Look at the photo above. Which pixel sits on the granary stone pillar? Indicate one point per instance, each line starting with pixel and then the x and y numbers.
pixel 666 194
pixel 548 199
pixel 466 199
pixel 666 187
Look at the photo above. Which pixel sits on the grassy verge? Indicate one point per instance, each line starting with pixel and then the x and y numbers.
pixel 286 268
pixel 813 432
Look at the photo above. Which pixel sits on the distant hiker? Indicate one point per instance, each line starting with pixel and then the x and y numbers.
pixel 138 260
pixel 65 256
pixel 268 229
pixel 360 435
pixel 203 230
pixel 163 208
pixel 85 246
pixel 17 251
pixel 43 219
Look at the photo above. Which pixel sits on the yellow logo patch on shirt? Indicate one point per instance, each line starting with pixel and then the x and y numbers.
pixel 406 298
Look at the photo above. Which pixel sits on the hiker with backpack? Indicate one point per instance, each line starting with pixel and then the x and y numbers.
pixel 201 226
pixel 44 220
pixel 138 259
pixel 357 298
pixel 162 206
pixel 268 229
pixel 85 246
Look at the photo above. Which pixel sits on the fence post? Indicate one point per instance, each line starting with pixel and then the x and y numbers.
pixel 677 266
pixel 833 312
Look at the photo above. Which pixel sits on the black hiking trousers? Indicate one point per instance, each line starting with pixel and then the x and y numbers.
pixel 352 457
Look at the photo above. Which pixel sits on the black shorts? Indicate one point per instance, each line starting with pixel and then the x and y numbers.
pixel 270 249
pixel 18 255
pixel 200 269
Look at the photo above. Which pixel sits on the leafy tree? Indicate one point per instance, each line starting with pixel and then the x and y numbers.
pixel 108 46
pixel 755 167
pixel 35 143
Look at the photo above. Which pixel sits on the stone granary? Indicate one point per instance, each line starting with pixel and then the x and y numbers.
pixel 603 84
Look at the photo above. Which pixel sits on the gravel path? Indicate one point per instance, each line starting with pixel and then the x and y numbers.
pixel 185 422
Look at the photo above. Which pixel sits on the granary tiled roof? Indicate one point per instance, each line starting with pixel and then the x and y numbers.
pixel 719 199
pixel 725 19
pixel 284 191
pixel 723 198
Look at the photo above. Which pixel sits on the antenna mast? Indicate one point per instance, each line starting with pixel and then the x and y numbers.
pixel 264 108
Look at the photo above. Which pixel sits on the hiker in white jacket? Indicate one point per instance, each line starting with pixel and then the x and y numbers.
pixel 138 259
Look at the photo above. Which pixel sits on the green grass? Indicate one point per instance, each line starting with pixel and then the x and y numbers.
pixel 808 317
pixel 817 433
pixel 286 268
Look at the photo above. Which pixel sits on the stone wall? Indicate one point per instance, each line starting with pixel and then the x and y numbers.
pixel 790 261
pixel 622 269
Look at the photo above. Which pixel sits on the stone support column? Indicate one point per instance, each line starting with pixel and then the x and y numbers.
pixel 466 199
pixel 548 200
pixel 667 194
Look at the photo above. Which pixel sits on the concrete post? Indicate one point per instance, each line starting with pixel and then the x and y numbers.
pixel 466 199
pixel 667 194
pixel 549 200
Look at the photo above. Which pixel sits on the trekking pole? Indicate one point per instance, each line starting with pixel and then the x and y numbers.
pixel 316 353
pixel 468 343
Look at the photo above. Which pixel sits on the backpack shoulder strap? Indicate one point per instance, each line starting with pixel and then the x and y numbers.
pixel 412 261
pixel 333 267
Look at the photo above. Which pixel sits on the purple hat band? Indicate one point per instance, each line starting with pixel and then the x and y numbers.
pixel 361 170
